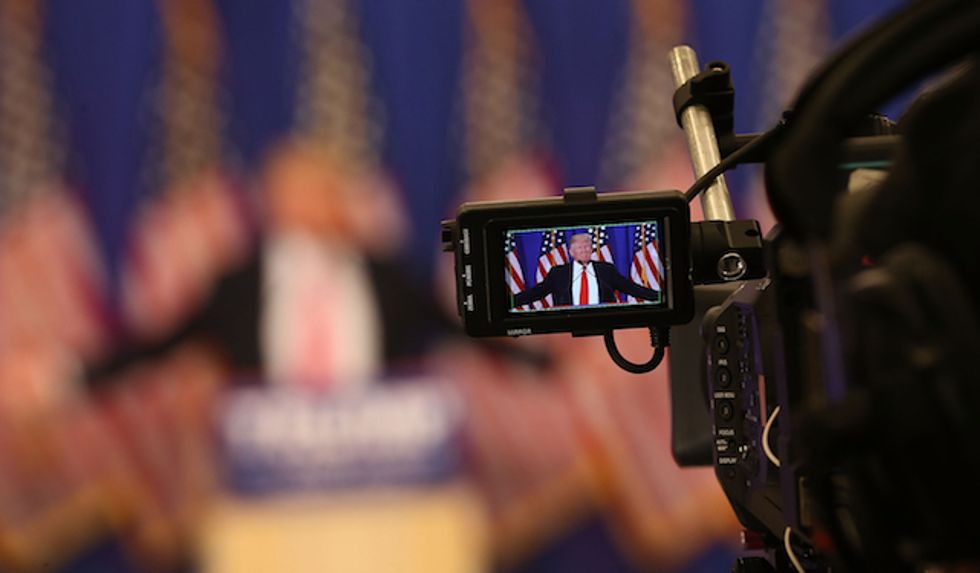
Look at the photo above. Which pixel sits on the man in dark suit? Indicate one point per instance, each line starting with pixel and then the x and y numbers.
pixel 319 299
pixel 584 281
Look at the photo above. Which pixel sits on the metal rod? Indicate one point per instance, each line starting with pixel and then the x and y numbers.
pixel 701 141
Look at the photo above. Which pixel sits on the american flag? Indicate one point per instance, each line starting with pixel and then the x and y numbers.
pixel 51 277
pixel 514 272
pixel 181 243
pixel 52 285
pixel 553 252
pixel 194 228
pixel 647 268
pixel 601 250
pixel 600 244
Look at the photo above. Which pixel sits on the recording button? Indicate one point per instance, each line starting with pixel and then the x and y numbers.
pixel 723 377
pixel 721 344
pixel 725 410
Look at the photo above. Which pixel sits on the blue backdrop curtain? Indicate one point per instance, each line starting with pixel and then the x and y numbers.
pixel 106 56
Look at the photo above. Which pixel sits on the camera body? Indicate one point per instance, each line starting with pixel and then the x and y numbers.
pixel 830 378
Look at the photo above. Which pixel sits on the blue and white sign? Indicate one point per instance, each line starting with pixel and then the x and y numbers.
pixel 276 440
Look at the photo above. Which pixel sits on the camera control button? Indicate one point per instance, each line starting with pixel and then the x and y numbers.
pixel 725 410
pixel 723 377
pixel 721 344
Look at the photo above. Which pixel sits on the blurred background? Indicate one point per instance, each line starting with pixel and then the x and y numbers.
pixel 227 338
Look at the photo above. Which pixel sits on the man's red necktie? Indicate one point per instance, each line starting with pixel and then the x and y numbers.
pixel 583 291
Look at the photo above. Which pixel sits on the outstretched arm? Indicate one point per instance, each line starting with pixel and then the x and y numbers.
pixel 629 287
pixel 537 292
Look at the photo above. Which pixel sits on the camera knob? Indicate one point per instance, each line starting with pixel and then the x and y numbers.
pixel 732 266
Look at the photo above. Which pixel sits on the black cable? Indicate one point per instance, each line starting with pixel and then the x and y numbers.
pixel 659 339
pixel 731 161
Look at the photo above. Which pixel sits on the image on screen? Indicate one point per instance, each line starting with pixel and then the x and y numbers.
pixel 562 268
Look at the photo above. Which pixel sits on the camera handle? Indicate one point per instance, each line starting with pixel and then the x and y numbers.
pixel 699 127
pixel 723 249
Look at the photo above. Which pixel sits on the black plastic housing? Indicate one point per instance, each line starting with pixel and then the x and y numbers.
pixel 477 239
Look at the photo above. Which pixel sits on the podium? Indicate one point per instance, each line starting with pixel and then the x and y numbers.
pixel 362 482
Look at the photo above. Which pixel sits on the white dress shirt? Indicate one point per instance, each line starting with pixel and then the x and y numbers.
pixel 589 271
pixel 320 326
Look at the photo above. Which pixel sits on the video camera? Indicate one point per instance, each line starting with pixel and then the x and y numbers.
pixel 826 372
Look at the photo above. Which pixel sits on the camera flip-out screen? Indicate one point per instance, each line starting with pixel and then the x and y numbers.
pixel 581 265
pixel 553 269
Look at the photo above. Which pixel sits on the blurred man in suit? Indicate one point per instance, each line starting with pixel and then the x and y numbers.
pixel 322 300
pixel 325 299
